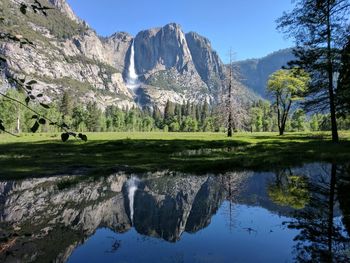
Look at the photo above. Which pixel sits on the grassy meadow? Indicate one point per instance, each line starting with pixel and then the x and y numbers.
pixel 37 155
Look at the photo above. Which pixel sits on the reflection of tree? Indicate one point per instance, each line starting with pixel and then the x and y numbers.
pixel 289 190
pixel 232 185
pixel 343 184
pixel 115 245
pixel 322 237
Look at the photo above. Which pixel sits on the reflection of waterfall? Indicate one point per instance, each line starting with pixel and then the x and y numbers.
pixel 132 188
pixel 132 79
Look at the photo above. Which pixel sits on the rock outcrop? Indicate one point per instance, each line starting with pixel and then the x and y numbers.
pixel 65 8
pixel 161 49
pixel 206 60
pixel 117 48
pixel 169 60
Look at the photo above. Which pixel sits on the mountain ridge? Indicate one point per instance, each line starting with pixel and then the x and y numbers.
pixel 256 71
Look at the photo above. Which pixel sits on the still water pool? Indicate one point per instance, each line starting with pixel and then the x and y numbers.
pixel 296 214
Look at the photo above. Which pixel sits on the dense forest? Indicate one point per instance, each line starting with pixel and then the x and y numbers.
pixel 320 102
pixel 185 117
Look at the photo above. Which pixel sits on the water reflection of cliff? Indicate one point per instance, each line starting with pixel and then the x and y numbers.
pixel 166 209
pixel 43 220
pixel 43 223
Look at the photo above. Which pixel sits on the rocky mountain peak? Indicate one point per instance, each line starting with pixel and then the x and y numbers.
pixel 64 7
pixel 161 49
pixel 123 36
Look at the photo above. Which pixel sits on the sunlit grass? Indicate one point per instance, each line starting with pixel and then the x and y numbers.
pixel 45 154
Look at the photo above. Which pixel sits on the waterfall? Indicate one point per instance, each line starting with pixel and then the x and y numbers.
pixel 132 188
pixel 132 78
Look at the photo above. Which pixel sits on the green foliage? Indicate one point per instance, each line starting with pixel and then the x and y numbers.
pixel 147 124
pixel 315 122
pixel 298 121
pixel 93 117
pixel 189 124
pixel 287 86
pixel 169 112
pixel 290 191
pixel 188 117
pixel 263 117
pixel 66 106
pixel 174 126
pixel 57 23
pixel 11 112
pixel 257 119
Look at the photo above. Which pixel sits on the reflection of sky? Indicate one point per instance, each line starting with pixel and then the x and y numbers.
pixel 257 236
pixel 338 222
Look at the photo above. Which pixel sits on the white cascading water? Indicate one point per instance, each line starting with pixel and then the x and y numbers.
pixel 132 185
pixel 132 80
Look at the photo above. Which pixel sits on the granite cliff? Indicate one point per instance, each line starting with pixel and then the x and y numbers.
pixel 69 55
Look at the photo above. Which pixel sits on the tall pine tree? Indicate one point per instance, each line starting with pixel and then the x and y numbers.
pixel 319 27
pixel 343 92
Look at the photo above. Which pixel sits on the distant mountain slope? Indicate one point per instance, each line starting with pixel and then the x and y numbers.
pixel 255 72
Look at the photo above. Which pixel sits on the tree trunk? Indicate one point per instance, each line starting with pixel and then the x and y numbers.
pixel 229 128
pixel 281 130
pixel 335 137
pixel 331 210
pixel 279 116
pixel 18 128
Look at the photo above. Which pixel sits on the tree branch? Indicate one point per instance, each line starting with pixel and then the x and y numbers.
pixel 37 113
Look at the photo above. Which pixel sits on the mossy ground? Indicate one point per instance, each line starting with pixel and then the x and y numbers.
pixel 36 155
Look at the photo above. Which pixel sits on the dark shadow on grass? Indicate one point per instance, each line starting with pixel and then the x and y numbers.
pixel 22 160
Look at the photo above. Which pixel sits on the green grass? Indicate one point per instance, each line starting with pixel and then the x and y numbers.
pixel 44 154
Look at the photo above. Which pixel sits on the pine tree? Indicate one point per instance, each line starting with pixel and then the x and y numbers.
pixel 93 122
pixel 178 113
pixel 183 108
pixel 169 112
pixel 66 106
pixel 158 118
pixel 343 92
pixel 188 111
pixel 319 27
pixel 205 112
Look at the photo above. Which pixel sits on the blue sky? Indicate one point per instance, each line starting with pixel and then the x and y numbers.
pixel 246 26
